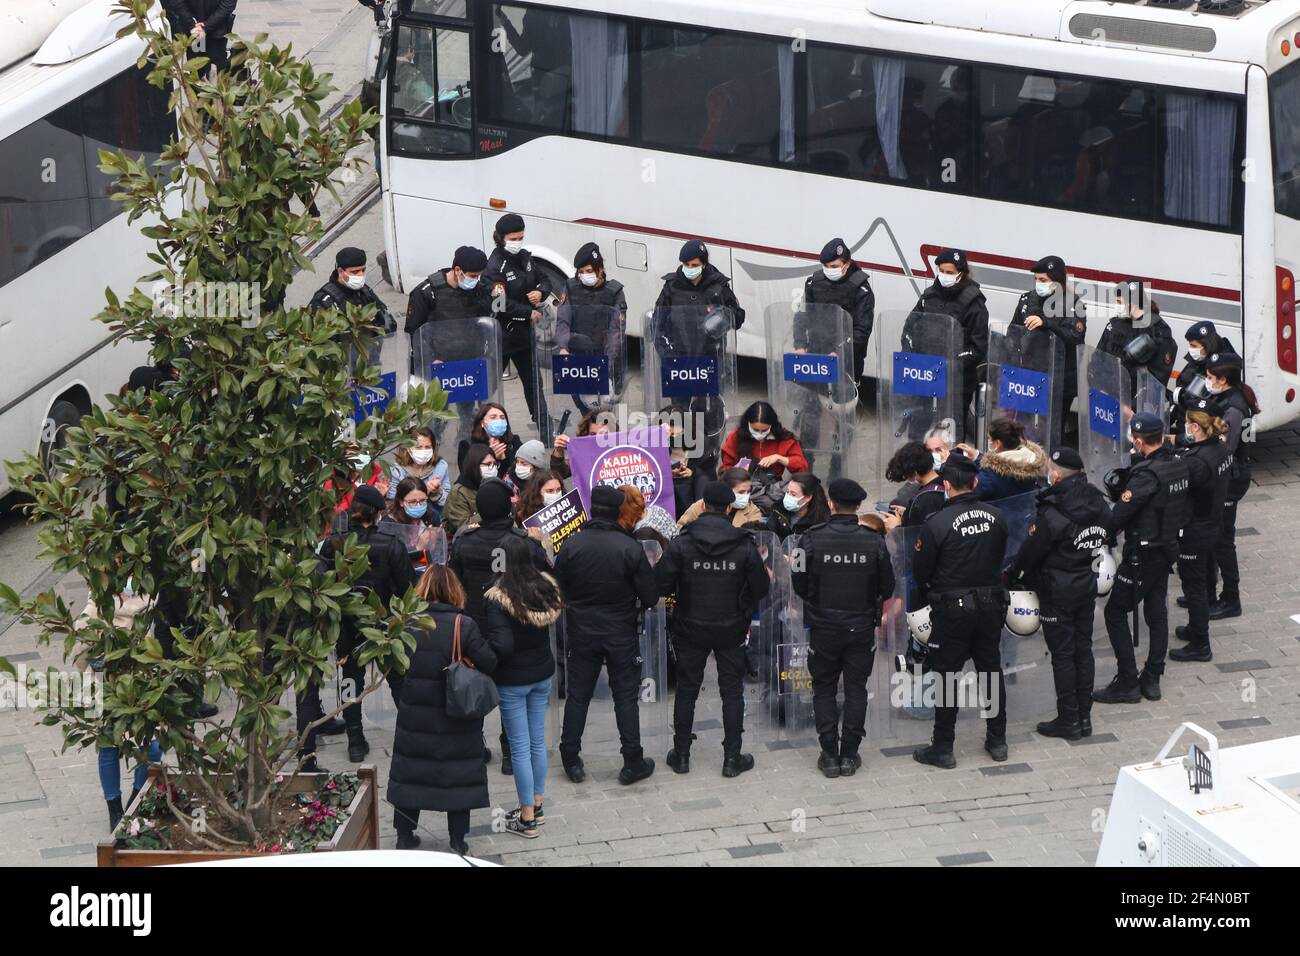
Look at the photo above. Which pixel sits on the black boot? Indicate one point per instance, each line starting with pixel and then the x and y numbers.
pixel 1192 652
pixel 679 759
pixel 996 747
pixel 1225 607
pixel 849 759
pixel 407 841
pixel 1085 714
pixel 1066 724
pixel 1118 691
pixel 357 745
pixel 935 756
pixel 1149 684
pixel 635 769
pixel 309 765
pixel 735 765
pixel 574 769
pixel 1182 602
pixel 829 764
pixel 114 813
pixel 1183 632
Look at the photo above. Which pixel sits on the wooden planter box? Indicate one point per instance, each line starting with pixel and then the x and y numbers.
pixel 360 832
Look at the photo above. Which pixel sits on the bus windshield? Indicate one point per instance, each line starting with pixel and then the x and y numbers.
pixel 1284 96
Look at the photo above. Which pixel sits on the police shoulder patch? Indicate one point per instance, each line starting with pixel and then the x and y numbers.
pixel 918 544
pixel 1033 528
pixel 1126 496
pixel 1079 326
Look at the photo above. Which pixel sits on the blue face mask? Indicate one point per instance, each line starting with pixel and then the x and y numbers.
pixel 791 502
pixel 416 511
pixel 692 272
pixel 468 282
pixel 497 427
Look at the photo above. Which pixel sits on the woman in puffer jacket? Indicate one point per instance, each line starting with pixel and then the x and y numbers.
pixel 1011 466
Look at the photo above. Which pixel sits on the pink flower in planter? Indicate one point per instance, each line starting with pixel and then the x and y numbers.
pixel 277 848
pixel 134 829
pixel 331 785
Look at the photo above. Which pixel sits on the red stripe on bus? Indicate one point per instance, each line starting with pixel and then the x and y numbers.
pixel 927 252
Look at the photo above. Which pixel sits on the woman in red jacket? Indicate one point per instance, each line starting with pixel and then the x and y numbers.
pixel 762 439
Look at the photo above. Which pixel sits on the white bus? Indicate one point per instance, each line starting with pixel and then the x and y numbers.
pixel 1159 141
pixel 68 89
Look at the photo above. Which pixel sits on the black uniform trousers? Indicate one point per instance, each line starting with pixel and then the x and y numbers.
pixel 1194 561
pixel 1224 561
pixel 521 354
pixel 691 661
pixel 584 657
pixel 830 655
pixel 1067 630
pixel 972 632
pixel 1143 577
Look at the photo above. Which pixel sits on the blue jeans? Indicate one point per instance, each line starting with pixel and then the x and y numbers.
pixel 110 770
pixel 523 717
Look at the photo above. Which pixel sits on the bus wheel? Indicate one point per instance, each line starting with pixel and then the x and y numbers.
pixel 54 433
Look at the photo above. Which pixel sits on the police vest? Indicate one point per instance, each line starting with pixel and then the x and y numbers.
pixel 1239 476
pixel 842 570
pixel 1166 513
pixel 1205 500
pixel 447 304
pixel 590 312
pixel 712 585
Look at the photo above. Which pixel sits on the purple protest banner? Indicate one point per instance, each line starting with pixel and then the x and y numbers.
pixel 637 457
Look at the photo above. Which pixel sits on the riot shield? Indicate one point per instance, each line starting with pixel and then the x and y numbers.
pixel 1104 413
pixel 600 736
pixel 904 685
pixel 1026 662
pixel 425 545
pixel 810 381
pixel 580 358
pixel 464 357
pixel 1026 375
pixel 688 357
pixel 1149 396
pixel 919 382
pixel 787 718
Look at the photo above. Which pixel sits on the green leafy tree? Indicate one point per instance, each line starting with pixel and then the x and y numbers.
pixel 222 477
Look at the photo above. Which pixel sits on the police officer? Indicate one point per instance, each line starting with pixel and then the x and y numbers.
pixel 607 581
pixel 475 557
pixel 1138 336
pixel 518 288
pixel 1058 560
pixel 1054 310
pixel 840 282
pixel 1223 373
pixel 844 578
pixel 956 294
pixel 1209 464
pixel 347 286
pixel 1203 340
pixel 388 572
pixel 957 564
pixel 594 321
pixel 718 577
pixel 1150 508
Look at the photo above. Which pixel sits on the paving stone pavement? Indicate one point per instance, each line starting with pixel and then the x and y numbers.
pixel 1046 806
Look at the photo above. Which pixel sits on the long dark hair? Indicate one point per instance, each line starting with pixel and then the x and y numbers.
pixel 819 509
pixel 764 414
pixel 470 476
pixel 404 488
pixel 479 433
pixel 1232 375
pixel 523 584
pixel 530 495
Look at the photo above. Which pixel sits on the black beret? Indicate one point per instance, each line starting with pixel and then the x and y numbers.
pixel 958 469
pixel 718 494
pixel 1223 360
pixel 588 255
pixel 470 259
pixel 1053 266
pixel 350 257
pixel 1147 425
pixel 1200 332
pixel 510 222
pixel 493 499
pixel 845 491
pixel 147 377
pixel 369 495
pixel 1134 290
pixel 693 249
pixel 835 249
pixel 1067 458
pixel 952 257
pixel 1209 406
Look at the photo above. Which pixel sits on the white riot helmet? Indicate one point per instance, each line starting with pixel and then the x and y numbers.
pixel 918 625
pixel 1022 613
pixel 1106 569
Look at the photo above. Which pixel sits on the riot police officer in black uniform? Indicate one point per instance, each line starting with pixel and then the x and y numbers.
pixel 474 558
pixel 958 564
pixel 1072 524
pixel 1150 508
pixel 1053 309
pixel 586 323
pixel 1204 447
pixel 1237 399
pixel 846 576
pixel 719 578
pixel 953 293
pixel 1203 340
pixel 841 282
pixel 1138 336
pixel 518 289
pixel 455 293
pixel 388 572
pixel 347 286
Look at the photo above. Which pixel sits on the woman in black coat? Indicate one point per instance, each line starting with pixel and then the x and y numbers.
pixel 438 759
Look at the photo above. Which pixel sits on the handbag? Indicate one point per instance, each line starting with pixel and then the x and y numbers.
pixel 471 694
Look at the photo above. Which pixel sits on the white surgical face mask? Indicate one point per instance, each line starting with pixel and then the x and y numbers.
pixel 1191 438
pixel 1044 289
pixel 523 472
pixel 938 460
pixel 1196 355
pixel 948 279
pixel 514 247
pixel 742 500
pixel 692 272
pixel 835 274
pixel 551 497
pixel 588 278
pixel 356 282
pixel 760 436
pixel 422 456
pixel 488 471
pixel 1216 388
